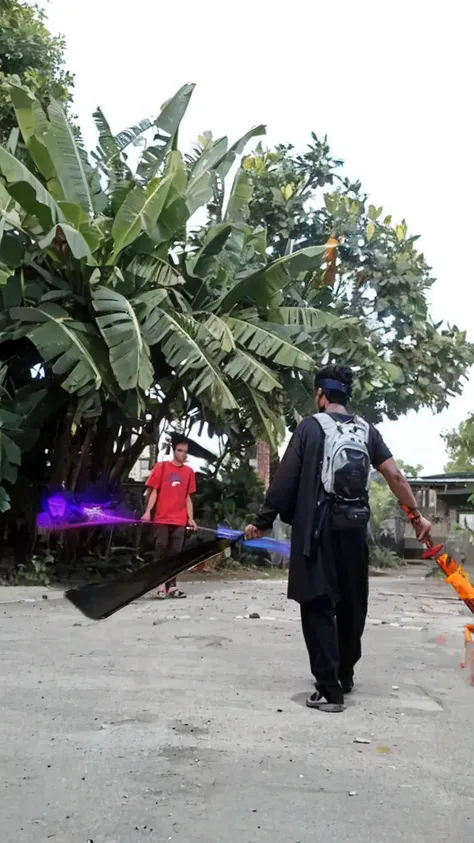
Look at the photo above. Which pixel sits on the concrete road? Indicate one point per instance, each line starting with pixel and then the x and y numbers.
pixel 185 721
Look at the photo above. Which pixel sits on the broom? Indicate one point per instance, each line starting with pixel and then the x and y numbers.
pixel 454 573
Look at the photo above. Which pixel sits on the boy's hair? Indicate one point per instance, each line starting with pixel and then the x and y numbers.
pixel 335 372
pixel 178 439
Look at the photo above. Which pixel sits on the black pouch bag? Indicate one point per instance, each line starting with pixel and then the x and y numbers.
pixel 349 516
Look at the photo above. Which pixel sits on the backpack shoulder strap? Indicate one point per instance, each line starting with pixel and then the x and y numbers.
pixel 326 422
pixel 365 426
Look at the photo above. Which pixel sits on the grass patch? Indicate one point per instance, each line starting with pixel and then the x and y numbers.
pixel 382 557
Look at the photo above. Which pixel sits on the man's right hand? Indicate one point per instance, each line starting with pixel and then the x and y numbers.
pixel 422 529
pixel 146 516
pixel 252 532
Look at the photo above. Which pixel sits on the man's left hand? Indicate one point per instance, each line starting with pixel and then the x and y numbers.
pixel 192 524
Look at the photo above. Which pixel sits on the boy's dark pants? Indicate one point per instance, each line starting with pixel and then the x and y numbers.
pixel 169 540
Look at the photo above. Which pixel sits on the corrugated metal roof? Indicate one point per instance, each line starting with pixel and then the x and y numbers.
pixel 458 475
pixel 461 478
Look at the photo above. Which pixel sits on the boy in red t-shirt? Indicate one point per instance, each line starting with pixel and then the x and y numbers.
pixel 171 484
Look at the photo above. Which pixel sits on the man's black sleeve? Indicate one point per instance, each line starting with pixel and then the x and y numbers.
pixel 283 493
pixel 378 450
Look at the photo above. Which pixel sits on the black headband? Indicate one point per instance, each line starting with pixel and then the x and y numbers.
pixel 337 386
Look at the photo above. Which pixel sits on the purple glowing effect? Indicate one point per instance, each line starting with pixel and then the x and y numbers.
pixel 94 513
pixel 56 506
pixel 44 522
pixel 61 512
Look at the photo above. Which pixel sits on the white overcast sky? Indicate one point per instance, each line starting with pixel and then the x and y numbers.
pixel 389 83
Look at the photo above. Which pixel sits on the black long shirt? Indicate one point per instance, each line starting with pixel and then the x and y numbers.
pixel 295 495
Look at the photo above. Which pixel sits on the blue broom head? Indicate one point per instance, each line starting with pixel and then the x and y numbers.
pixel 267 543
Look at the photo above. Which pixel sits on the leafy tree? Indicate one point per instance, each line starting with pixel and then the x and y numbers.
pixel 383 504
pixel 385 517
pixel 384 512
pixel 383 507
pixel 376 279
pixel 29 53
pixel 114 313
pixel 232 498
pixel 460 447
pixel 410 470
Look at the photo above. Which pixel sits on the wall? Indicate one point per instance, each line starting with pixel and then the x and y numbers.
pixel 443 517
pixel 141 469
pixel 263 463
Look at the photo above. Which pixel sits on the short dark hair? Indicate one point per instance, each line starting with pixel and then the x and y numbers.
pixel 335 372
pixel 178 439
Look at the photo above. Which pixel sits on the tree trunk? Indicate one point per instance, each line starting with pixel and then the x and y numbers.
pixel 80 471
pixel 125 463
pixel 63 449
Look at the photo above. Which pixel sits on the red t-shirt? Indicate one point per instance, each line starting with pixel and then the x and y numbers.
pixel 173 483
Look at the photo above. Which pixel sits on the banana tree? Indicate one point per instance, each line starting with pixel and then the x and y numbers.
pixel 114 304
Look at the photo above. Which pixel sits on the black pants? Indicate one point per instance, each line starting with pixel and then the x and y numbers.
pixel 169 540
pixel 333 628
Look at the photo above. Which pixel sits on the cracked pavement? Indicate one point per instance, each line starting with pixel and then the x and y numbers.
pixel 185 721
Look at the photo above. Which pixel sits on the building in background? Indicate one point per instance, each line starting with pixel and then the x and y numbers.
pixel 448 501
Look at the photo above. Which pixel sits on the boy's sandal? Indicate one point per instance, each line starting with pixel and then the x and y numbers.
pixel 176 594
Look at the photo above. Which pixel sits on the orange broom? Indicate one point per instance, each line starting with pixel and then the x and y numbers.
pixel 455 573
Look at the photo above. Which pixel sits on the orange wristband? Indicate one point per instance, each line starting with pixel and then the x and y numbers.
pixel 413 514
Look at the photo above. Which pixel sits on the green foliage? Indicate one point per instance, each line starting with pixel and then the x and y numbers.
pixel 40 571
pixel 383 504
pixel 460 447
pixel 125 317
pixel 231 498
pixel 382 557
pixel 383 507
pixel 30 53
pixel 410 470
pixel 43 566
pixel 372 301
pixel 116 309
pixel 18 429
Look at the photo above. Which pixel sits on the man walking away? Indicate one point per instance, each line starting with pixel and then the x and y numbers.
pixel 171 485
pixel 321 489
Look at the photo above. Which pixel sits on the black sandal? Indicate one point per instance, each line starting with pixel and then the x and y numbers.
pixel 319 701
pixel 176 594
